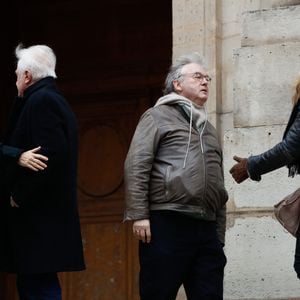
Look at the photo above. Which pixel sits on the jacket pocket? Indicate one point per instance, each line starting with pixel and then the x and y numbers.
pixel 183 185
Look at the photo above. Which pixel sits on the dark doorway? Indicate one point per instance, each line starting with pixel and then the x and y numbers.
pixel 112 58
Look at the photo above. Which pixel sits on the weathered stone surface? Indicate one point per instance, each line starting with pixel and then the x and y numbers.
pixel 244 142
pixel 259 261
pixel 232 10
pixel 279 25
pixel 263 83
pixel 251 88
pixel 231 14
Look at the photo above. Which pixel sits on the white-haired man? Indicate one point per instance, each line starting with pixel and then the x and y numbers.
pixel 42 232
pixel 175 191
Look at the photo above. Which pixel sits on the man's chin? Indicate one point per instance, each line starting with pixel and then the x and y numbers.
pixel 201 101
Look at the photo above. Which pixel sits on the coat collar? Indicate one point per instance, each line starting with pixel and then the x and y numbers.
pixel 48 82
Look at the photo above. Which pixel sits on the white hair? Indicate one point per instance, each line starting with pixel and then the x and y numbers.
pixel 176 67
pixel 40 60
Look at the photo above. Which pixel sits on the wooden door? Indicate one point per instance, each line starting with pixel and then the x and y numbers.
pixel 112 58
pixel 106 128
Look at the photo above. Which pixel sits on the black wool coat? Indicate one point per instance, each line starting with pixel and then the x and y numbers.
pixel 7 152
pixel 43 234
pixel 8 157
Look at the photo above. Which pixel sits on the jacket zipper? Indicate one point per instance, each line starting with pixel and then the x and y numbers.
pixel 203 158
pixel 167 180
pixel 201 134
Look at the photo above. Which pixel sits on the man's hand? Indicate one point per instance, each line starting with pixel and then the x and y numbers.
pixel 239 170
pixel 32 160
pixel 141 229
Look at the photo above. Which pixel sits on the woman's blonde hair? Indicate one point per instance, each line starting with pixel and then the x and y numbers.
pixel 296 95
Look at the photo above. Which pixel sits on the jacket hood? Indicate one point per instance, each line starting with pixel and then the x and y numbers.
pixel 196 113
pixel 173 98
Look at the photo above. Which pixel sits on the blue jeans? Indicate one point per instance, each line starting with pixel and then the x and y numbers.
pixel 38 286
pixel 183 251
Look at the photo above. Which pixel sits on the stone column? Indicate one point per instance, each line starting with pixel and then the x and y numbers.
pixel 195 29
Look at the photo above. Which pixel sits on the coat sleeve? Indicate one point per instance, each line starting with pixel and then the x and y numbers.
pixel 137 170
pixel 47 130
pixel 8 152
pixel 284 153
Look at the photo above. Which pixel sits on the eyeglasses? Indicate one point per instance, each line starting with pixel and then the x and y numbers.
pixel 198 76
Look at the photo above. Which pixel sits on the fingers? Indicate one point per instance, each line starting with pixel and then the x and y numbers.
pixel 40 157
pixel 32 168
pixel 32 160
pixel 237 159
pixel 141 230
pixel 36 165
pixel 148 235
pixel 36 149
pixel 36 162
pixel 233 169
pixel 239 180
pixel 143 234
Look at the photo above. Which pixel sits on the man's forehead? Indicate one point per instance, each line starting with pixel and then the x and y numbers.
pixel 193 68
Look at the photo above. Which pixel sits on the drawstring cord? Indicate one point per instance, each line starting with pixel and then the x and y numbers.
pixel 201 133
pixel 190 135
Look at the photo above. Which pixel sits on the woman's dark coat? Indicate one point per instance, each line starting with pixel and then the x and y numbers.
pixel 43 234
pixel 285 153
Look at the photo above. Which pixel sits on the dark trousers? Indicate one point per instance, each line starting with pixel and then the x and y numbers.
pixel 183 250
pixel 38 286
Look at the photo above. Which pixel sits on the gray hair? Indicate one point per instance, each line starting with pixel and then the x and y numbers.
pixel 40 60
pixel 176 67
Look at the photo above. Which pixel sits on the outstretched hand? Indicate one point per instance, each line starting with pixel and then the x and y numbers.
pixel 239 170
pixel 32 160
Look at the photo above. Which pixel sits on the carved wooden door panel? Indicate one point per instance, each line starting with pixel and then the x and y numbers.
pixel 106 128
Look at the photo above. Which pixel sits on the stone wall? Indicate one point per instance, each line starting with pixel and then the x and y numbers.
pixel 253 53
pixel 260 253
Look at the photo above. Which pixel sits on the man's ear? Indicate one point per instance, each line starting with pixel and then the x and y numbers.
pixel 177 86
pixel 28 78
